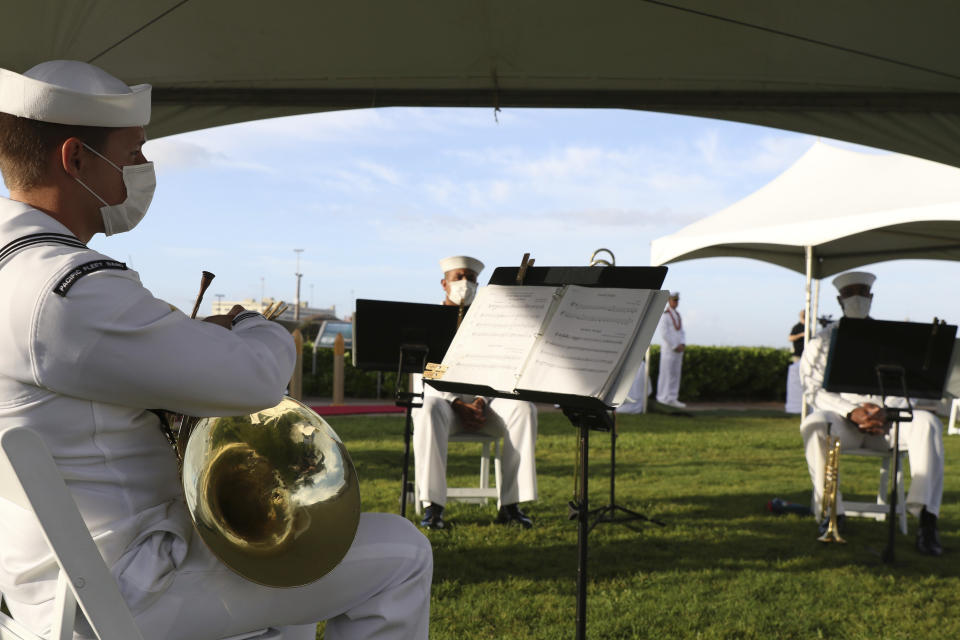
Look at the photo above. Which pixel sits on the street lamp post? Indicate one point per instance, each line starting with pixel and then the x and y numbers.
pixel 296 307
pixel 219 304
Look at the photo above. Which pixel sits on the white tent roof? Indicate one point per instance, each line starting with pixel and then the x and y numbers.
pixel 883 73
pixel 853 208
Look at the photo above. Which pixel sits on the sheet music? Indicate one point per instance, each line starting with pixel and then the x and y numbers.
pixel 585 342
pixel 496 335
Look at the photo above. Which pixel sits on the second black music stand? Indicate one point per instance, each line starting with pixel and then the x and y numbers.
pixel 584 413
pixel 890 359
pixel 400 336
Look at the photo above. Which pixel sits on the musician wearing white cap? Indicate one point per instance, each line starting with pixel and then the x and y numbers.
pixel 445 413
pixel 672 344
pixel 87 350
pixel 860 422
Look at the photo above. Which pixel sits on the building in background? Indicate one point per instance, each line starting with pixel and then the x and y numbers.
pixel 308 315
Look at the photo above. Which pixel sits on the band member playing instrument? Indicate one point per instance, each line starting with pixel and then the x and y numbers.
pixel 860 422
pixel 88 350
pixel 445 413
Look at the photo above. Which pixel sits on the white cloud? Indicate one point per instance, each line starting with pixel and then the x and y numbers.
pixel 381 171
pixel 175 153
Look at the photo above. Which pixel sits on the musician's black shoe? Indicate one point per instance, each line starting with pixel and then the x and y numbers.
pixel 433 517
pixel 511 514
pixel 928 538
pixel 825 524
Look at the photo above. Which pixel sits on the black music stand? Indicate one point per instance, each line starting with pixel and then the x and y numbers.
pixel 584 413
pixel 400 336
pixel 890 359
pixel 612 512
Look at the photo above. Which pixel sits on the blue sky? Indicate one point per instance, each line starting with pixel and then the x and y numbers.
pixel 376 197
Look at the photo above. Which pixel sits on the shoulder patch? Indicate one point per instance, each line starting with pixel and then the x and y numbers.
pixel 62 287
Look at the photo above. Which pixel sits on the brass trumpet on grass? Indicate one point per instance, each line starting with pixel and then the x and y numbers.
pixel 831 485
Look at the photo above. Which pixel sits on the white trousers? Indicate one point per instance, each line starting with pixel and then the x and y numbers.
pixel 514 420
pixel 636 396
pixel 381 589
pixel 794 401
pixel 668 382
pixel 922 438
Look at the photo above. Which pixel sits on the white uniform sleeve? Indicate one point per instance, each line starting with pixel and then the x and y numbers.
pixel 109 340
pixel 813 366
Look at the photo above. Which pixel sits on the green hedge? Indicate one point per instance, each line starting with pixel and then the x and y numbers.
pixel 729 373
pixel 709 374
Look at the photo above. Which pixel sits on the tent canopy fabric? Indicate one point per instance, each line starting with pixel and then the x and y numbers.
pixel 877 72
pixel 852 208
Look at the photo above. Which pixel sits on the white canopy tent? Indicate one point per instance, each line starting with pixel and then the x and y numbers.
pixel 833 210
pixel 877 72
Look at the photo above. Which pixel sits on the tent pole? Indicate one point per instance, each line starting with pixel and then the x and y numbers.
pixel 809 321
pixel 645 372
pixel 815 310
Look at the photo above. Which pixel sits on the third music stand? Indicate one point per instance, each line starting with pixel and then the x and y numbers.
pixel 890 359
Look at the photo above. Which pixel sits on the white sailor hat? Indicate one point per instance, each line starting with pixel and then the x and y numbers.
pixel 853 277
pixel 461 262
pixel 675 294
pixel 76 93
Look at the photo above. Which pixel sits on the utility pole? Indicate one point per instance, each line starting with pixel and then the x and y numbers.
pixel 219 310
pixel 262 307
pixel 296 307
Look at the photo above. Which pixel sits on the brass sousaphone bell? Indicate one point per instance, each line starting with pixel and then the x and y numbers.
pixel 273 494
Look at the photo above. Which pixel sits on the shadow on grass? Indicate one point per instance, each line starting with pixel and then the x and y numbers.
pixel 701 540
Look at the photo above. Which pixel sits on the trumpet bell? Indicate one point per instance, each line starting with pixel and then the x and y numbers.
pixel 273 494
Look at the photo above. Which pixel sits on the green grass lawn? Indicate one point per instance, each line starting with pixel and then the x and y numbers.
pixel 721 567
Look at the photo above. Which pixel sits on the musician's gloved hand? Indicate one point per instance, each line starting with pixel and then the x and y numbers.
pixel 472 415
pixel 225 320
pixel 869 418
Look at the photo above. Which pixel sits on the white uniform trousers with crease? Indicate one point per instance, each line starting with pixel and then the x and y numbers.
pixel 922 438
pixel 380 590
pixel 514 420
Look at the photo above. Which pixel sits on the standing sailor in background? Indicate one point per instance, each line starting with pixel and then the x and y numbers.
pixel 88 351
pixel 860 422
pixel 794 388
pixel 444 413
pixel 672 344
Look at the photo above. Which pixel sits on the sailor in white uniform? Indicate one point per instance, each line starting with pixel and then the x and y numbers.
pixel 860 422
pixel 444 413
pixel 673 341
pixel 88 350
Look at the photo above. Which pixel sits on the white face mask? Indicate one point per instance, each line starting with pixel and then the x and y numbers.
pixel 140 181
pixel 461 291
pixel 856 306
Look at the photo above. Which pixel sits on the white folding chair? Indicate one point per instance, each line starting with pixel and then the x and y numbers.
pixel 880 509
pixel 30 479
pixel 482 493
pixel 952 429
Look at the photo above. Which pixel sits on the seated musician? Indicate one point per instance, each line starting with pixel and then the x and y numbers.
pixel 860 422
pixel 445 413
pixel 87 350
